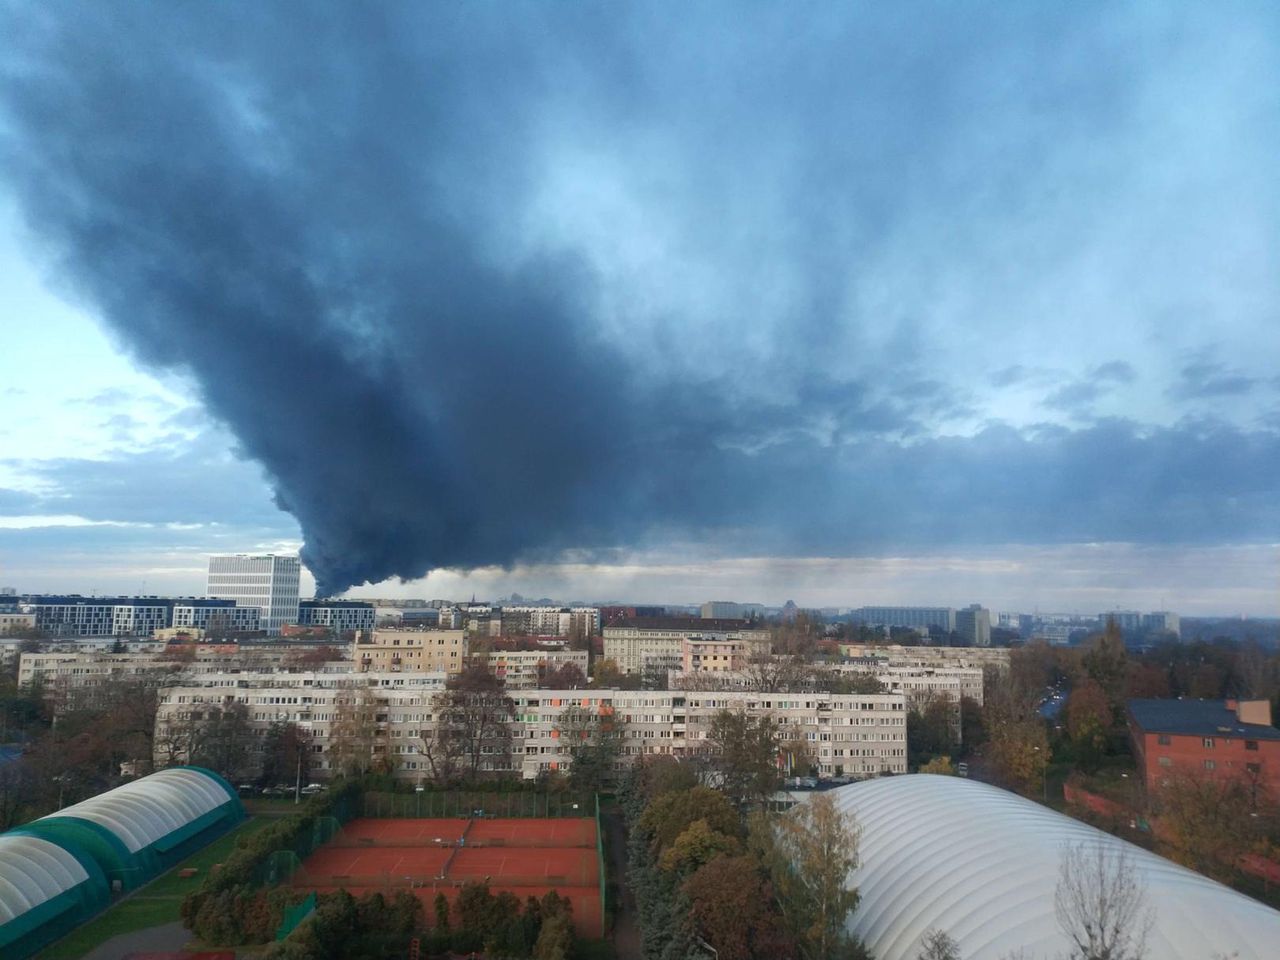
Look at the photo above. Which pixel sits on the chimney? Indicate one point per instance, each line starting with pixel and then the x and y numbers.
pixel 1254 711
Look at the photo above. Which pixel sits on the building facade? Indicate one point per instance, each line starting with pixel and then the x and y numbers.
pixel 269 582
pixel 943 618
pixel 974 624
pixel 404 651
pixel 856 736
pixel 524 669
pixel 340 616
pixel 629 643
pixel 1211 739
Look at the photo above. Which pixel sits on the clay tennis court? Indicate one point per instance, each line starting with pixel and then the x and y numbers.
pixel 430 857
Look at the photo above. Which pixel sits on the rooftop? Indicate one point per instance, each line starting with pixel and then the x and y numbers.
pixel 1205 718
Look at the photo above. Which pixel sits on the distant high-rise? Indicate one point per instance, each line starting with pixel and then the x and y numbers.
pixel 269 582
pixel 974 624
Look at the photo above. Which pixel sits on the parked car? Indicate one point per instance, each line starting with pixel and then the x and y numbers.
pixel 311 789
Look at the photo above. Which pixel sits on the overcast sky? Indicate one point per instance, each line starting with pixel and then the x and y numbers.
pixel 846 304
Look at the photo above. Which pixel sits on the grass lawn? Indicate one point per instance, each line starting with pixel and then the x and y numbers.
pixel 155 904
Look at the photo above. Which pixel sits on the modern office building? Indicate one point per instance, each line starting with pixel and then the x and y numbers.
pixel 216 616
pixel 269 582
pixel 77 616
pixel 341 616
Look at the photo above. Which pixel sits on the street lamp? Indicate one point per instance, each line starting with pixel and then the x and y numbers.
pixel 1044 777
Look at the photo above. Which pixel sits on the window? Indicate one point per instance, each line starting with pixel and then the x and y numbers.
pixel 1208 743
pixel 1209 765
pixel 1251 744
pixel 1165 762
pixel 1163 739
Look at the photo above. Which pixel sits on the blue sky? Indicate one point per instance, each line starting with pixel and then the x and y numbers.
pixel 846 304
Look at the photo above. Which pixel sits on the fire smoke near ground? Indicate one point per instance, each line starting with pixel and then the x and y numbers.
pixel 483 283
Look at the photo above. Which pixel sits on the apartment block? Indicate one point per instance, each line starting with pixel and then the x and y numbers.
pixel 524 669
pixel 855 735
pixel 661 639
pixel 944 618
pixel 403 651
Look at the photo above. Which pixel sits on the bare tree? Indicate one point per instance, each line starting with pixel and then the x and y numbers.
pixel 938 945
pixel 1101 903
pixel 473 731
pixel 780 673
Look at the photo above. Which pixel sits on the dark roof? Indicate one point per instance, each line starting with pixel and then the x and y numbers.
pixel 1197 718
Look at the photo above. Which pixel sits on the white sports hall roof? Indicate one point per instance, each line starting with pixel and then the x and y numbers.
pixel 147 810
pixel 982 864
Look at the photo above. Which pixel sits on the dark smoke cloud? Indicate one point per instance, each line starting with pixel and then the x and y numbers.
pixel 338 220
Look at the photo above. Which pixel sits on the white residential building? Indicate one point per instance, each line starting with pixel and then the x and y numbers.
pixel 662 639
pixel 269 582
pixel 861 735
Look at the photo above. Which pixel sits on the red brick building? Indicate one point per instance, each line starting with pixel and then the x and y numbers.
pixel 1208 738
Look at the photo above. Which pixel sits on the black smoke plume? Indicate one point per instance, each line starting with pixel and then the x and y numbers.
pixel 380 239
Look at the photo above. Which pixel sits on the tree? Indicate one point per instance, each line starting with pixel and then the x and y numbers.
pixel 670 814
pixel 1206 820
pixel 286 754
pixel 932 729
pixel 732 907
pixel 743 755
pixel 769 673
pixel 1089 723
pixel 473 732
pixel 606 675
pixel 1019 754
pixel 939 765
pixel 1101 903
pixel 354 737
pixel 1107 663
pixel 593 741
pixel 810 852
pixel 938 945
pixel 697 846
pixel 567 676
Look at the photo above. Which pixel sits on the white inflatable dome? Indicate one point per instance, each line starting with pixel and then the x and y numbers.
pixel 982 864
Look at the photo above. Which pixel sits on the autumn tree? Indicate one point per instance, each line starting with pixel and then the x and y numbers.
pixel 1089 719
pixel 742 755
pixel 1206 820
pixel 1107 664
pixel 567 676
pixel 593 741
pixel 606 675
pixel 697 846
pixel 668 815
pixel 731 906
pixel 1101 903
pixel 810 852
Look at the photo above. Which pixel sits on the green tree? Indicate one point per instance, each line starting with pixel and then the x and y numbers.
pixel 809 853
pixel 696 846
pixel 671 814
pixel 743 755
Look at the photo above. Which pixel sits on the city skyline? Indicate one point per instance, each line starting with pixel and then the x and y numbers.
pixel 1011 339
